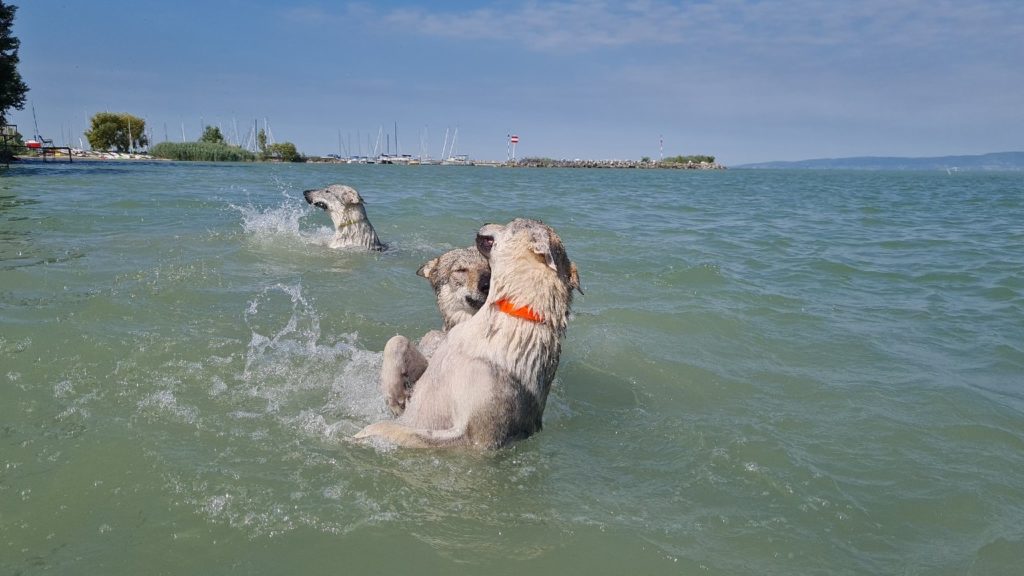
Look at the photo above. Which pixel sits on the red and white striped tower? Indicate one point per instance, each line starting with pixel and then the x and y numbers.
pixel 513 140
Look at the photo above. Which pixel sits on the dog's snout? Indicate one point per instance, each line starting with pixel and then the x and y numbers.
pixel 484 282
pixel 305 194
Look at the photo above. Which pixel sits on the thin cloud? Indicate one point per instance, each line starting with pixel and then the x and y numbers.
pixel 585 25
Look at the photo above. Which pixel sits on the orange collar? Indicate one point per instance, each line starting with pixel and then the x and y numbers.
pixel 524 312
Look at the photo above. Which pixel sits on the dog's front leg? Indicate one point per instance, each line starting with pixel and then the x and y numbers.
pixel 403 365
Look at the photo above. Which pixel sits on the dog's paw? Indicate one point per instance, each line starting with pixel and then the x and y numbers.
pixel 370 431
pixel 396 407
pixel 396 398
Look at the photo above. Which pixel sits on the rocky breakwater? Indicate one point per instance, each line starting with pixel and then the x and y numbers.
pixel 637 164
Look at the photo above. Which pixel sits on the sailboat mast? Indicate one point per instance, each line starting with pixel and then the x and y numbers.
pixel 36 123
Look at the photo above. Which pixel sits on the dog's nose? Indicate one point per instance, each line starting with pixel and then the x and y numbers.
pixel 484 283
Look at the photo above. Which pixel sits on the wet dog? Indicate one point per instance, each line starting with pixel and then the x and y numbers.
pixel 345 207
pixel 461 279
pixel 488 382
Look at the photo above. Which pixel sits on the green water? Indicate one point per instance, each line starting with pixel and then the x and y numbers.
pixel 771 372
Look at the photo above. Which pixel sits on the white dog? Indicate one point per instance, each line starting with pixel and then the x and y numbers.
pixel 461 279
pixel 346 209
pixel 488 382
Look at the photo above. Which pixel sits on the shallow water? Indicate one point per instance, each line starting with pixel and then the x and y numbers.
pixel 771 372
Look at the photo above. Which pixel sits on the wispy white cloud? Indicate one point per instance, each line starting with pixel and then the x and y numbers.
pixel 584 25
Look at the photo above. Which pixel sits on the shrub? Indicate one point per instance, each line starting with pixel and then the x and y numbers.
pixel 201 151
pixel 687 159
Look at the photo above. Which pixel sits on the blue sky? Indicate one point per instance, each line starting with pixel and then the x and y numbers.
pixel 742 80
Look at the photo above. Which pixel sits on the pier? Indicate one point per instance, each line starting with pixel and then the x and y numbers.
pixel 43 148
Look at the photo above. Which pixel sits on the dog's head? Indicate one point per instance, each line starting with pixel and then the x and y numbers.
pixel 524 256
pixel 341 202
pixel 461 279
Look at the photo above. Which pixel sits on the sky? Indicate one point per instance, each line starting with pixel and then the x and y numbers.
pixel 742 80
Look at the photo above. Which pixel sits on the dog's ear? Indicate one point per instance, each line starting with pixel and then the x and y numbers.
pixel 350 196
pixel 540 243
pixel 574 278
pixel 427 269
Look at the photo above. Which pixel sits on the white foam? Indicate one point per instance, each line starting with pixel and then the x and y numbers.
pixel 282 222
pixel 164 401
pixel 325 389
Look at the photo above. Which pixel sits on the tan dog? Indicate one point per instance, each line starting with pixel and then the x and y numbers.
pixel 346 209
pixel 460 279
pixel 488 383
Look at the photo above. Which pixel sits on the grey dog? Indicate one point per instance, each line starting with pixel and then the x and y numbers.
pixel 345 207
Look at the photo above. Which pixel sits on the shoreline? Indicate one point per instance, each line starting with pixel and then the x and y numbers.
pixel 89 156
pixel 625 164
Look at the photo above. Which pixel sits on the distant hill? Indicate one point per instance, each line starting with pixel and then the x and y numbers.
pixel 993 161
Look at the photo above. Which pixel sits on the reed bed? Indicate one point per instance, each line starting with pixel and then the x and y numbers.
pixel 201 151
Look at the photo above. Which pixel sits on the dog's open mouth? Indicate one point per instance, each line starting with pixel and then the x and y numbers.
pixel 318 203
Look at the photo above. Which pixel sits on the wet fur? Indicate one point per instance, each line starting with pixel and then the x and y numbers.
pixel 460 279
pixel 488 382
pixel 346 208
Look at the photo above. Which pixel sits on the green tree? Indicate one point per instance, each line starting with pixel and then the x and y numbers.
pixel 12 88
pixel 261 141
pixel 212 135
pixel 119 131
pixel 284 151
pixel 697 159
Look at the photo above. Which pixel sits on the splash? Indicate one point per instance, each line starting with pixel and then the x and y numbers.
pixel 316 386
pixel 282 222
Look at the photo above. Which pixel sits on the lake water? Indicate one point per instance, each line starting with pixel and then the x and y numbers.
pixel 771 372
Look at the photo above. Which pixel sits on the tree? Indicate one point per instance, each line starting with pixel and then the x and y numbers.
pixel 212 135
pixel 284 151
pixel 261 141
pixel 122 132
pixel 697 159
pixel 12 88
